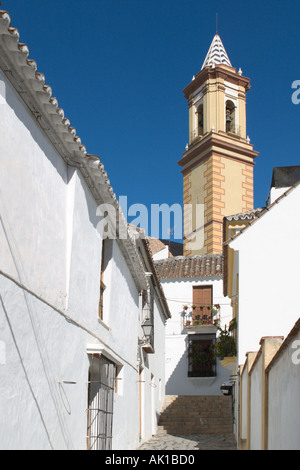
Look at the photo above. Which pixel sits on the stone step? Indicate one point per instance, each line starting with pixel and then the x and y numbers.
pixel 186 414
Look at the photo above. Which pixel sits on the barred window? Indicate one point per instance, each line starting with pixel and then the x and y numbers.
pixel 201 357
pixel 102 378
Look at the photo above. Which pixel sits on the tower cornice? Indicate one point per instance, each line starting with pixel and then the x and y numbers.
pixel 219 71
pixel 218 144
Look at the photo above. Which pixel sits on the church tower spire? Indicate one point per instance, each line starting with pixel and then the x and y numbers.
pixel 216 54
pixel 217 165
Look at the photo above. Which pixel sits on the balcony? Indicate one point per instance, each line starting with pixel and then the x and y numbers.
pixel 196 134
pixel 202 324
pixel 233 131
pixel 202 318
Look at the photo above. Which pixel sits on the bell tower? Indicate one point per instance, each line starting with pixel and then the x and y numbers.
pixel 217 165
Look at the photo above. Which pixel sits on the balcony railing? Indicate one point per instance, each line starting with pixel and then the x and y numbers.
pixel 196 133
pixel 199 321
pixel 230 129
pixel 202 315
pixel 233 129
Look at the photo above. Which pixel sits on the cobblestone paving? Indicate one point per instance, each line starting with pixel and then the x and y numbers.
pixel 190 442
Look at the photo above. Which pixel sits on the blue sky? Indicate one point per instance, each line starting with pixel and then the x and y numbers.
pixel 118 68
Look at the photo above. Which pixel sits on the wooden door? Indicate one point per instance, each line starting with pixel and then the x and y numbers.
pixel 202 300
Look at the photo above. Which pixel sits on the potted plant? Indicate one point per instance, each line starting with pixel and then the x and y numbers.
pixel 185 307
pixel 225 347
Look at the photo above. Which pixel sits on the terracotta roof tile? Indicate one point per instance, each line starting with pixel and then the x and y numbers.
pixel 182 267
pixel 249 215
pixel 157 245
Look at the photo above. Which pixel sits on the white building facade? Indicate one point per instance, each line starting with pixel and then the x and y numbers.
pixel 265 259
pixel 192 329
pixel 261 278
pixel 76 369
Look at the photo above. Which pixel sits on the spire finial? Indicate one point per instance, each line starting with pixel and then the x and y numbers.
pixel 216 23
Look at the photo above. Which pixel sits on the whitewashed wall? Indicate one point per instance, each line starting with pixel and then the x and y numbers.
pixel 179 293
pixel 243 408
pixel 162 254
pixel 270 414
pixel 256 406
pixel 153 384
pixel 33 186
pixel 267 256
pixel 284 404
pixel 49 243
pixel 120 332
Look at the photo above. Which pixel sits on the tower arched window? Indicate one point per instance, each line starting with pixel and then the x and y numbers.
pixel 200 120
pixel 230 116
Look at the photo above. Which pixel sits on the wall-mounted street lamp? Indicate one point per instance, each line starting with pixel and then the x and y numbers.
pixel 146 341
pixel 147 327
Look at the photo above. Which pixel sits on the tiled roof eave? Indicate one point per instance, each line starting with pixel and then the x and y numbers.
pixel 23 74
pixel 249 215
pixel 186 278
pixel 190 267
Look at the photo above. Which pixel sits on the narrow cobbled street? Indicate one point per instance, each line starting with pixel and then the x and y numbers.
pixel 190 442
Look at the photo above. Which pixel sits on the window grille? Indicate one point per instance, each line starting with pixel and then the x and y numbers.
pixel 201 357
pixel 101 388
